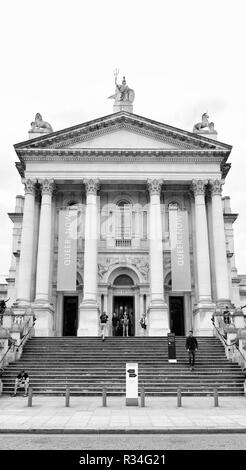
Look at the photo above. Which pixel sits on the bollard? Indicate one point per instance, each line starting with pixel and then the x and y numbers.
pixel 179 400
pixel 67 396
pixel 142 397
pixel 216 398
pixel 104 396
pixel 29 402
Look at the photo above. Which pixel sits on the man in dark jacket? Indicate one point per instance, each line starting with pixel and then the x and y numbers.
pixel 191 347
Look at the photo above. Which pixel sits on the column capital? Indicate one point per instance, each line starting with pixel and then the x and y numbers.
pixel 30 186
pixel 91 185
pixel 198 187
pixel 154 186
pixel 216 187
pixel 47 186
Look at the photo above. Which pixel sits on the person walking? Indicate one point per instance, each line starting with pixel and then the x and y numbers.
pixel 191 347
pixel 103 321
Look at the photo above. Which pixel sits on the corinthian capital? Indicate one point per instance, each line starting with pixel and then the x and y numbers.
pixel 92 185
pixel 216 187
pixel 154 186
pixel 198 186
pixel 30 186
pixel 47 186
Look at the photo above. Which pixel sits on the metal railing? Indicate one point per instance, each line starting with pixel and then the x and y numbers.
pixel 234 344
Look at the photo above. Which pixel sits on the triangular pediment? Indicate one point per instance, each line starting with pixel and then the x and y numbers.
pixel 122 130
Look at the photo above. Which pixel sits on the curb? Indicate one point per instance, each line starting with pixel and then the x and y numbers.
pixel 126 431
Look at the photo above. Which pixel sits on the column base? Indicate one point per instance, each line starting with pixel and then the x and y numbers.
pixel 88 319
pixel 203 325
pixel 158 319
pixel 44 324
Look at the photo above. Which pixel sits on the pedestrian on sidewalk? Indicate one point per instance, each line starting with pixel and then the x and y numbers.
pixel 21 381
pixel 191 347
pixel 103 320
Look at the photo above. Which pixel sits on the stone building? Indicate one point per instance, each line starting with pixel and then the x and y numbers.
pixel 123 213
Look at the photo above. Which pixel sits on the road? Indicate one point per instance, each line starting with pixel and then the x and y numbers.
pixel 123 442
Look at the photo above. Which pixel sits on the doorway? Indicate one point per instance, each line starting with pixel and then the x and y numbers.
pixel 120 305
pixel 70 315
pixel 176 309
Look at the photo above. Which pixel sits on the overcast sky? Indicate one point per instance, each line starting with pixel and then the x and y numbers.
pixel 182 58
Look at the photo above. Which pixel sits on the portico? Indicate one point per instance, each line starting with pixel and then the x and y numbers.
pixel 122 174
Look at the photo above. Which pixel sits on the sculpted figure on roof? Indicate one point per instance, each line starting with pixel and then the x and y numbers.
pixel 204 124
pixel 40 124
pixel 122 92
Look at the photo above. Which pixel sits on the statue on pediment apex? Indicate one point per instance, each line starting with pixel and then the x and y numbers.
pixel 199 126
pixel 40 125
pixel 122 92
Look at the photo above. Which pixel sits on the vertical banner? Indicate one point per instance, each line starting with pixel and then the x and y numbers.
pixel 67 250
pixel 180 251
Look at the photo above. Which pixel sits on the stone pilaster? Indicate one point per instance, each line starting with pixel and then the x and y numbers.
pixel 158 316
pixel 204 309
pixel 89 310
pixel 27 239
pixel 219 242
pixel 42 307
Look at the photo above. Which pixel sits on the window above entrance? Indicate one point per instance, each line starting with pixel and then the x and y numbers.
pixel 123 280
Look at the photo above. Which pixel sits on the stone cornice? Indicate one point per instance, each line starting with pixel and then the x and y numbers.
pixel 113 154
pixel 230 217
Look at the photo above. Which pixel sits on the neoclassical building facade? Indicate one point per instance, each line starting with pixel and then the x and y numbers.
pixel 133 187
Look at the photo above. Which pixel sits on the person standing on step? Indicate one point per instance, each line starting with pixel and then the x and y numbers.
pixel 115 323
pixel 191 347
pixel 21 381
pixel 125 324
pixel 103 320
pixel 227 316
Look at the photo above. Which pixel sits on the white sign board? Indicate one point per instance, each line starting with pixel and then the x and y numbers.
pixel 132 383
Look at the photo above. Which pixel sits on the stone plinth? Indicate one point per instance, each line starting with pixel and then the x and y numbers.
pixel 123 107
pixel 203 325
pixel 44 325
pixel 158 319
pixel 88 319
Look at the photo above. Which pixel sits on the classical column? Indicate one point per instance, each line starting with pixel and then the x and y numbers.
pixel 88 321
pixel 43 309
pixel 158 318
pixel 203 310
pixel 219 242
pixel 27 238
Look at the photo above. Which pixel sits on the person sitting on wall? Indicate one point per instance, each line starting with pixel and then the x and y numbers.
pixel 21 381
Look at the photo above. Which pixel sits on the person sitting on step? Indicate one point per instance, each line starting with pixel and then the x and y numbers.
pixel 21 381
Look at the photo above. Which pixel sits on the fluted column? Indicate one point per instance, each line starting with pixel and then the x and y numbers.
pixel 88 322
pixel 204 309
pixel 27 238
pixel 44 242
pixel 219 242
pixel 202 247
pixel 158 320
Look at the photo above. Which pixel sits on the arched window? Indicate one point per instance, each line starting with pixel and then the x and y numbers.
pixel 123 226
pixel 123 280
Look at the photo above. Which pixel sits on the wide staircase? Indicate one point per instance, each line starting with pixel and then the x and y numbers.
pixel 87 365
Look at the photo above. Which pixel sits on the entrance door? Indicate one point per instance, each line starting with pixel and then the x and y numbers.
pixel 176 308
pixel 120 305
pixel 70 315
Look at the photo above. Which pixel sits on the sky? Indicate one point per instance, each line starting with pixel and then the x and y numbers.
pixel 182 58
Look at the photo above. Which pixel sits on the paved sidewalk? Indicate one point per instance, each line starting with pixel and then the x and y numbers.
pixel 87 415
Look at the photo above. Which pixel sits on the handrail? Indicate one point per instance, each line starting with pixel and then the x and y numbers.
pixel 22 340
pixel 222 337
pixel 225 342
pixel 10 346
